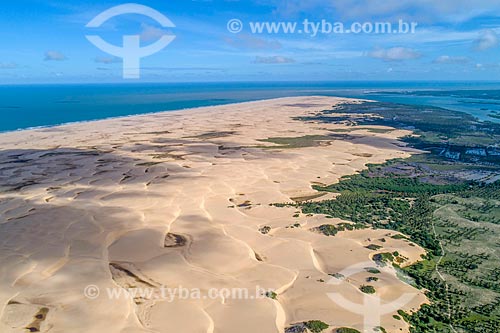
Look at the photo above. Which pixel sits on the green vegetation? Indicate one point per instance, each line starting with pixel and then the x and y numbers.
pixel 442 132
pixel 372 270
pixel 373 247
pixel 265 230
pixel 346 330
pixel 466 217
pixel 382 258
pixel 368 289
pixel 398 236
pixel 272 295
pixel 213 135
pixel 469 299
pixel 298 142
pixel 447 201
pixel 316 326
pixel 385 203
pixel 332 230
pixel 337 276
pixel 309 197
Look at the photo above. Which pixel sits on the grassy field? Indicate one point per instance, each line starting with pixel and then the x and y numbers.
pixel 466 292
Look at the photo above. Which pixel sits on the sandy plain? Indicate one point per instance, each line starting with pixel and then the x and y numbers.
pixel 180 199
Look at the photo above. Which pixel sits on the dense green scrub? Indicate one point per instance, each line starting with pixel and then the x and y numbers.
pixel 438 202
pixel 470 298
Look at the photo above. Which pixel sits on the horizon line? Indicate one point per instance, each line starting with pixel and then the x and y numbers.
pixel 244 81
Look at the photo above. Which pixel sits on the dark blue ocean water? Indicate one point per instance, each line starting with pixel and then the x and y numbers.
pixel 26 106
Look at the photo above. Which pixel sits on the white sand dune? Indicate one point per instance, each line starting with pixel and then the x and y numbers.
pixel 177 199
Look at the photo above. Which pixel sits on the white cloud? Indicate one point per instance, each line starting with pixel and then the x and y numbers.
pixel 488 66
pixel 8 65
pixel 150 33
pixel 251 42
pixel 107 60
pixel 54 56
pixel 435 35
pixel 487 40
pixel 273 60
pixel 445 59
pixel 421 10
pixel 394 54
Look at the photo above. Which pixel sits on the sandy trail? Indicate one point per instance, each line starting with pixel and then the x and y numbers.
pixel 179 199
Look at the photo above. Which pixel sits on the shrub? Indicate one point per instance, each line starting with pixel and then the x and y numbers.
pixel 271 294
pixel 316 326
pixel 367 289
pixel 346 330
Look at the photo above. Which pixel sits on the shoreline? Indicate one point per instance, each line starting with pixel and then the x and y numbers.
pixel 153 104
pixel 115 118
pixel 152 113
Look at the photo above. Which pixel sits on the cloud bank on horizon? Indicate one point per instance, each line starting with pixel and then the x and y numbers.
pixel 44 41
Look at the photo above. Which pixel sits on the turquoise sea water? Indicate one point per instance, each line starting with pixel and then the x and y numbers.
pixel 45 105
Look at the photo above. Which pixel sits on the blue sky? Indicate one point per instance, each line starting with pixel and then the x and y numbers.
pixel 44 41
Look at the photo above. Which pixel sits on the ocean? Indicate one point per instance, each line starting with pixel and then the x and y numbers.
pixel 27 106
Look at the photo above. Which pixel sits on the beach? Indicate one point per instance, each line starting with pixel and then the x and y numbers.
pixel 184 199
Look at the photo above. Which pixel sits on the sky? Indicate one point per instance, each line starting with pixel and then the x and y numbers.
pixel 44 41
